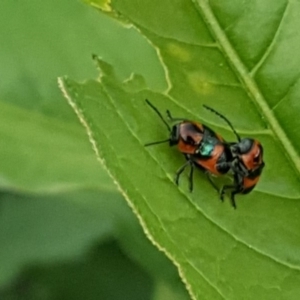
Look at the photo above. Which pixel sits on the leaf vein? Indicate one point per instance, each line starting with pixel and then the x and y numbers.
pixel 257 97
pixel 272 43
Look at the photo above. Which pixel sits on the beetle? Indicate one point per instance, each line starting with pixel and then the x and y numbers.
pixel 246 163
pixel 200 145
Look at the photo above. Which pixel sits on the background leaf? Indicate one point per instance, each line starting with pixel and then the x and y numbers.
pixel 60 213
pixel 220 253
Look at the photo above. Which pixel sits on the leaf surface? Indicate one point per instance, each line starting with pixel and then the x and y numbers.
pixel 43 147
pixel 55 200
pixel 221 254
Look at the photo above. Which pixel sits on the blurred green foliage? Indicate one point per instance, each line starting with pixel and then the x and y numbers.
pixel 65 231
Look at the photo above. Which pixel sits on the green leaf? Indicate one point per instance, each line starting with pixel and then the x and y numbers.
pixel 204 48
pixel 94 276
pixel 57 229
pixel 39 228
pixel 50 158
pixel 43 147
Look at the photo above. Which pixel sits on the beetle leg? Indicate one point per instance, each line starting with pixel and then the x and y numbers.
pixel 232 198
pixel 211 181
pixel 191 183
pixel 225 187
pixel 238 168
pixel 236 188
pixel 235 191
pixel 180 170
pixel 173 119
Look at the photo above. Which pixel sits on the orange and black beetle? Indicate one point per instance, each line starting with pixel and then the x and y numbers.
pixel 201 146
pixel 246 164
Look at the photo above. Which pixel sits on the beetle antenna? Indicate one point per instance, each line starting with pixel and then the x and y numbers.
pixel 159 114
pixel 155 143
pixel 225 119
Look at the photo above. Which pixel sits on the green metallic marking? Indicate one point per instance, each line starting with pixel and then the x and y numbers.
pixel 206 149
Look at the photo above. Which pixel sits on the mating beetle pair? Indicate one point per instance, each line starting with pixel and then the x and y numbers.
pixel 208 151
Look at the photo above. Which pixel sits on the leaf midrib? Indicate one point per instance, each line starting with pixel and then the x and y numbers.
pixel 257 97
